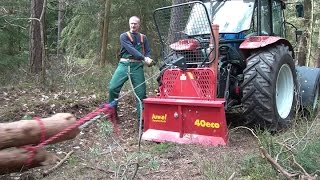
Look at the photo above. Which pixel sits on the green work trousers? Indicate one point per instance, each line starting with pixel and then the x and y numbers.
pixel 120 76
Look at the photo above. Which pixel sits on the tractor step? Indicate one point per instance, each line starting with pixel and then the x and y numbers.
pixel 185 121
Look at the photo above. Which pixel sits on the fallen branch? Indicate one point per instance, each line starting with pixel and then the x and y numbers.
pixel 46 173
pixel 232 176
pixel 306 175
pixel 303 177
pixel 276 165
pixel 101 169
pixel 249 129
pixel 297 164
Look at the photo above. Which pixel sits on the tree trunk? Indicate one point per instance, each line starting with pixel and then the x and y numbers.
pixel 310 31
pixel 16 160
pixel 104 41
pixel 302 54
pixel 101 20
pixel 35 45
pixel 305 39
pixel 62 6
pixel 318 59
pixel 43 52
pixel 11 44
pixel 26 132
pixel 176 14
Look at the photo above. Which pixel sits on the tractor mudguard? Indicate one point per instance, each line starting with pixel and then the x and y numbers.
pixel 255 42
pixel 309 84
pixel 185 44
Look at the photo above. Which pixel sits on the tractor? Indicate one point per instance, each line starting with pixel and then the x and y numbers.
pixel 222 55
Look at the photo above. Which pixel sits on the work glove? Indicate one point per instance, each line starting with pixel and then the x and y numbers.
pixel 148 61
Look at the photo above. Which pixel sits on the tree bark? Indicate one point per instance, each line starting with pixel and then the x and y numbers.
pixel 43 52
pixel 176 14
pixel 35 46
pixel 310 31
pixel 26 132
pixel 62 6
pixel 318 59
pixel 12 42
pixel 302 54
pixel 104 41
pixel 305 39
pixel 16 160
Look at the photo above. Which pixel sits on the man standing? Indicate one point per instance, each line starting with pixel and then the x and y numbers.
pixel 135 52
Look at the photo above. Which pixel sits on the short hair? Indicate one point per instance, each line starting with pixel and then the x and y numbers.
pixel 134 17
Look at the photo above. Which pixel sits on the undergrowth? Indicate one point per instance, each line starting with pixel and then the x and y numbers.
pixel 78 75
pixel 296 150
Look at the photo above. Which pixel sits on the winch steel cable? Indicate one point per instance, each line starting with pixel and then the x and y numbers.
pixel 141 109
pixel 140 122
pixel 133 89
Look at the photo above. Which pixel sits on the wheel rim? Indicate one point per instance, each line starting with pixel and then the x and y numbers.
pixel 284 91
pixel 315 101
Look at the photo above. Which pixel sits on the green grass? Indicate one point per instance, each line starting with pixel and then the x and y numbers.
pixel 162 148
pixel 106 128
pixel 255 167
pixel 73 160
pixel 309 157
pixel 153 163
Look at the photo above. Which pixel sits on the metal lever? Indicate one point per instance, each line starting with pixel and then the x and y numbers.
pixel 226 90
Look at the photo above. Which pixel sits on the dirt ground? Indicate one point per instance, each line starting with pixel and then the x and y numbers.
pixel 101 155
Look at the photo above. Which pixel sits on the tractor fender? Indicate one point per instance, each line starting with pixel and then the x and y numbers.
pixel 185 44
pixel 256 42
pixel 309 82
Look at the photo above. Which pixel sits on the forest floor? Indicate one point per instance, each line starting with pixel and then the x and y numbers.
pixel 101 154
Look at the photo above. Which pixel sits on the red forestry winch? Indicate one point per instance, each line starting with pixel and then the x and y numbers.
pixel 187 109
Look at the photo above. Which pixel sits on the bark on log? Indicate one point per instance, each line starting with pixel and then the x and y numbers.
pixel 26 132
pixel 15 160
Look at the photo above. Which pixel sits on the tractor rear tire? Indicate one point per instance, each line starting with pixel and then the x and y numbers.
pixel 269 88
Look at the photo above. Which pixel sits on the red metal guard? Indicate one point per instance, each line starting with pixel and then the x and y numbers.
pixel 194 83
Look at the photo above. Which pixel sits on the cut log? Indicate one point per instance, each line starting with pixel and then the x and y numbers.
pixel 26 132
pixel 16 160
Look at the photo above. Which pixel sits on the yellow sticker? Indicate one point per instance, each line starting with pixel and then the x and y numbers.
pixel 205 124
pixel 159 118
pixel 190 75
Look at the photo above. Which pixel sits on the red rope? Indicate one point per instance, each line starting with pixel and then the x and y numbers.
pixel 113 119
pixel 33 149
pixel 105 108
pixel 42 128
